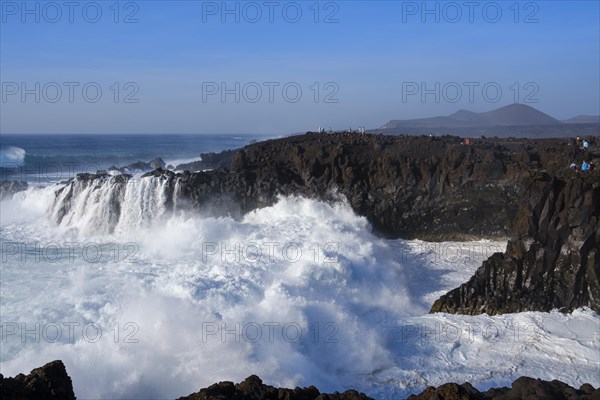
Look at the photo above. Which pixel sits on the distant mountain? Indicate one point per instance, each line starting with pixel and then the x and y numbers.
pixel 583 119
pixel 511 115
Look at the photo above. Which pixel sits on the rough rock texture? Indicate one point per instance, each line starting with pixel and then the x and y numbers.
pixel 523 388
pixel 209 161
pixel 431 188
pixel 553 260
pixel 49 382
pixel 253 389
pixel 140 166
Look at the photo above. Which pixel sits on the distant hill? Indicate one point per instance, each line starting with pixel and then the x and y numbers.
pixel 511 115
pixel 583 119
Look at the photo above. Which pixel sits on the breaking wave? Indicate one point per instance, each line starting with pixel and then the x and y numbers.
pixel 142 298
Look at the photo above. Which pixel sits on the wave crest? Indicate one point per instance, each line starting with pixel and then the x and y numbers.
pixel 12 156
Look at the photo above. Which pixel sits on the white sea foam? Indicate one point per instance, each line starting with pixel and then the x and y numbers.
pixel 184 301
pixel 12 157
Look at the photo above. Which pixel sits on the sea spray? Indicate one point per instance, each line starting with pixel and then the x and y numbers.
pixel 299 293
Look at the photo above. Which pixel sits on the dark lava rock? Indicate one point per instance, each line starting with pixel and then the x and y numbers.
pixel 222 159
pixel 49 382
pixel 8 188
pixel 137 166
pixel 209 161
pixel 141 166
pixel 253 389
pixel 157 163
pixel 553 259
pixel 193 166
pixel 523 388
pixel 449 391
pixel 430 188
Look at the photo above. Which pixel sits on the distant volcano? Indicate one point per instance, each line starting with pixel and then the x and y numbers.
pixel 511 115
pixel 583 119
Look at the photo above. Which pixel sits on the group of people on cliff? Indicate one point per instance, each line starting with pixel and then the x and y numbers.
pixel 361 130
pixel 585 166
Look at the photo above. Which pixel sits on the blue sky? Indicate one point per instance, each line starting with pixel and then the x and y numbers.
pixel 162 66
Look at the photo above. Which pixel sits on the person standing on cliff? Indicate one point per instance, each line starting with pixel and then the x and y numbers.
pixel 585 166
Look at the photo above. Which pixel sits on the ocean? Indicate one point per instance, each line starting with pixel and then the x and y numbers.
pixel 159 302
pixel 43 158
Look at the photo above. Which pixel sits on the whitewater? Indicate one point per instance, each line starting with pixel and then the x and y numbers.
pixel 144 298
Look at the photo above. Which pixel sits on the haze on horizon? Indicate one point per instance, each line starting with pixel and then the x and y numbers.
pixel 239 67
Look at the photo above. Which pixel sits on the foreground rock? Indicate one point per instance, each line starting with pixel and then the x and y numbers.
pixel 253 389
pixel 50 382
pixel 523 388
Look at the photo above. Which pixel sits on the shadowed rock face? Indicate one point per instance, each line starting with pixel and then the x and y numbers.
pixel 430 188
pixel 553 260
pixel 523 388
pixel 49 382
pixel 253 389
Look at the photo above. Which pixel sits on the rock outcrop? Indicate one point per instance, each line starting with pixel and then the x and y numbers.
pixel 50 382
pixel 140 166
pixel 253 389
pixel 523 388
pixel 410 187
pixel 208 161
pixel 553 260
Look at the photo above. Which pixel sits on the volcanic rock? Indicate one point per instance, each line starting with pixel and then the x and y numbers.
pixel 253 389
pixel 524 388
pixel 50 382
